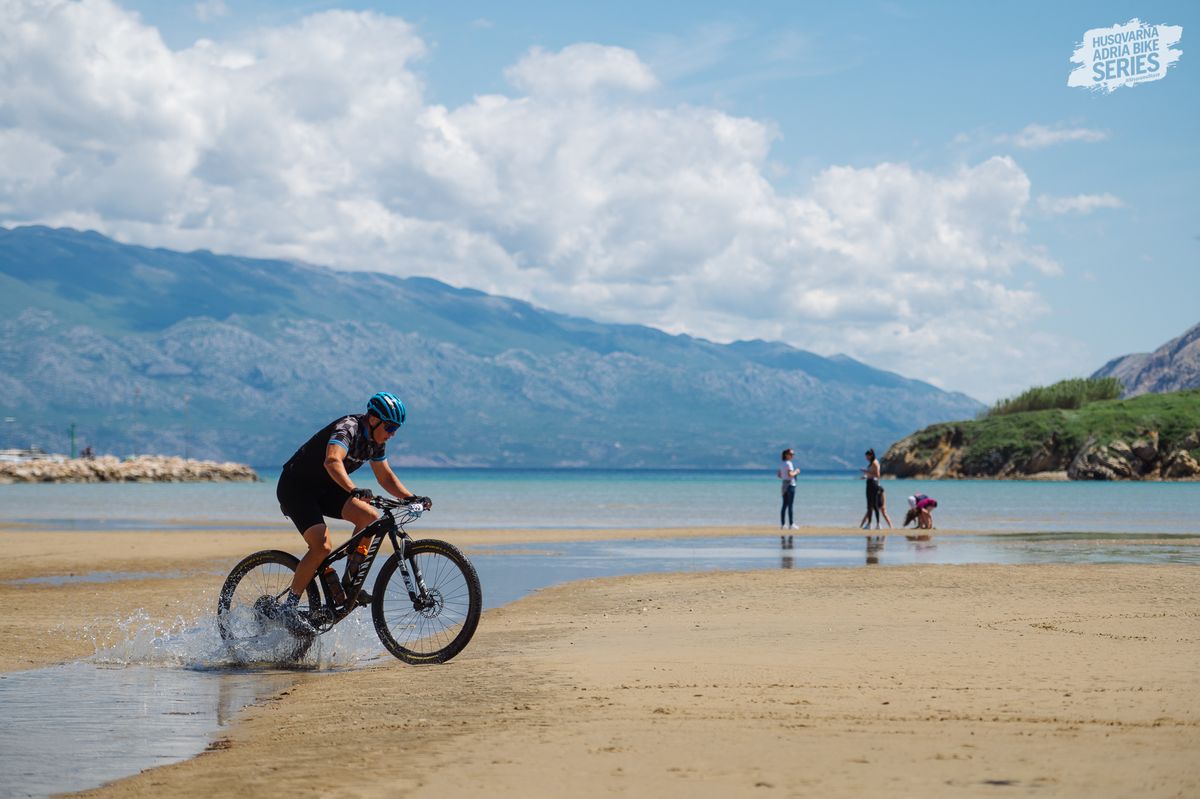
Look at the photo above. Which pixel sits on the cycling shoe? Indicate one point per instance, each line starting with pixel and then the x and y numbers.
pixel 294 621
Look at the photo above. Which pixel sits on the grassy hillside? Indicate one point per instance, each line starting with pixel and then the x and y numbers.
pixel 1048 440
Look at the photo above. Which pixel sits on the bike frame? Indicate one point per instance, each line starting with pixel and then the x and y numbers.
pixel 387 525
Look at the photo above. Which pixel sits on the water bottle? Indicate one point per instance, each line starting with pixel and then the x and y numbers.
pixel 333 587
pixel 354 560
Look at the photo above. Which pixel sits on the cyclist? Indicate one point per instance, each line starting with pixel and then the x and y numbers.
pixel 316 483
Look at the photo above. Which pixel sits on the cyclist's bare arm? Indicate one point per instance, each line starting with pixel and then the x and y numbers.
pixel 335 455
pixel 388 480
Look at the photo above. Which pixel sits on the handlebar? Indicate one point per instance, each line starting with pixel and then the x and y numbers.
pixel 386 503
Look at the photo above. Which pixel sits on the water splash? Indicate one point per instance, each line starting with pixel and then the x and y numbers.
pixel 192 640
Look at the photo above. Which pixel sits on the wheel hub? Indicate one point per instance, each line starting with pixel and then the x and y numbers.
pixel 431 605
pixel 265 607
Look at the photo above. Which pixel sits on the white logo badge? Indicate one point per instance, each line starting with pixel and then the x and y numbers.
pixel 1124 55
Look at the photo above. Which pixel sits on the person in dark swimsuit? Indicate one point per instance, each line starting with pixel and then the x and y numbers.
pixel 871 474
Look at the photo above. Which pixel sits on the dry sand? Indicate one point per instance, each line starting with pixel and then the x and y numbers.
pixel 913 681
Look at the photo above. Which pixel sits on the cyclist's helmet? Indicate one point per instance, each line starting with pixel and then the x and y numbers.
pixel 387 407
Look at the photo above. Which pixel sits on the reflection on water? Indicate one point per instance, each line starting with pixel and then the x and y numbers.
pixel 508 572
pixel 874 545
pixel 108 722
pixel 152 696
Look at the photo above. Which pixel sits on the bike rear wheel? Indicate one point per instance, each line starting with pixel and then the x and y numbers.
pixel 248 609
pixel 435 624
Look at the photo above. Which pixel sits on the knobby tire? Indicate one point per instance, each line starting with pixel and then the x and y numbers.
pixel 434 634
pixel 254 573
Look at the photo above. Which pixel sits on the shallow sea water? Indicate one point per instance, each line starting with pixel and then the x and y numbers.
pixel 509 572
pixel 114 721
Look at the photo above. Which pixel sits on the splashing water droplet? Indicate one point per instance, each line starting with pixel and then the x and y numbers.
pixel 192 640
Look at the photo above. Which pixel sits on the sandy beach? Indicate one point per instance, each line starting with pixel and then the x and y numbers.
pixel 980 680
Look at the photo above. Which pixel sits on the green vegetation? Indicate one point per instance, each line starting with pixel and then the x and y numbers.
pixel 1064 395
pixel 1056 435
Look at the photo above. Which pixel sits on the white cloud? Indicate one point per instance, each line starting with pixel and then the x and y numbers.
pixel 580 68
pixel 1036 137
pixel 207 10
pixel 316 141
pixel 1079 204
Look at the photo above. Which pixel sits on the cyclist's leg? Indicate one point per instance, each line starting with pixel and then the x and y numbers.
pixel 319 547
pixel 302 506
pixel 360 514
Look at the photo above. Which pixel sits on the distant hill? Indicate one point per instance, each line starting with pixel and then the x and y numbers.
pixel 1172 367
pixel 150 350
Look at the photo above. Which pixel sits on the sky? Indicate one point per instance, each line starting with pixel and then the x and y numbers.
pixel 911 184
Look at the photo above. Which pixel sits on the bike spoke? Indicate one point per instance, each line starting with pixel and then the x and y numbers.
pixel 449 609
pixel 248 610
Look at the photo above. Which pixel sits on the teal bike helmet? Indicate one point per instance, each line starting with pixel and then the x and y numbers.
pixel 387 407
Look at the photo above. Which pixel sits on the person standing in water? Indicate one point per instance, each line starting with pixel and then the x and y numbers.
pixel 881 504
pixel 787 474
pixel 871 475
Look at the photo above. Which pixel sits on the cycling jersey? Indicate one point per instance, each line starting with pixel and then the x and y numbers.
pixel 352 433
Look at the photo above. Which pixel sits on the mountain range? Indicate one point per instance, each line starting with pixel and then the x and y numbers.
pixel 1174 366
pixel 148 350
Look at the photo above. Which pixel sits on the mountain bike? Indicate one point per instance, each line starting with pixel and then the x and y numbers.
pixel 426 600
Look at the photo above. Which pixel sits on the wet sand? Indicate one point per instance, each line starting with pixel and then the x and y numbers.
pixel 1055 680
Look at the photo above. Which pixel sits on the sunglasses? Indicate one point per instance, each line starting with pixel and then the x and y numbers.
pixel 390 427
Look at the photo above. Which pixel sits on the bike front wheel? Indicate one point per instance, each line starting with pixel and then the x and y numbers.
pixel 426 606
pixel 248 610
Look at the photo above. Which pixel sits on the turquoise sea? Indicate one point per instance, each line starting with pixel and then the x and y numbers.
pixel 537 498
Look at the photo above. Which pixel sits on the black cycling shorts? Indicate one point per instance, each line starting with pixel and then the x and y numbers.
pixel 307 505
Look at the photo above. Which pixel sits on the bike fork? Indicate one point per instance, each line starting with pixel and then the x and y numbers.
pixel 418 594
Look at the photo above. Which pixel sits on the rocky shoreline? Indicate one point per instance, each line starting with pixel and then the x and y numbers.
pixel 109 469
pixel 1143 458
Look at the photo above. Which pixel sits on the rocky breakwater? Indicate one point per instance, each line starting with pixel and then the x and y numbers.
pixel 953 451
pixel 108 469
